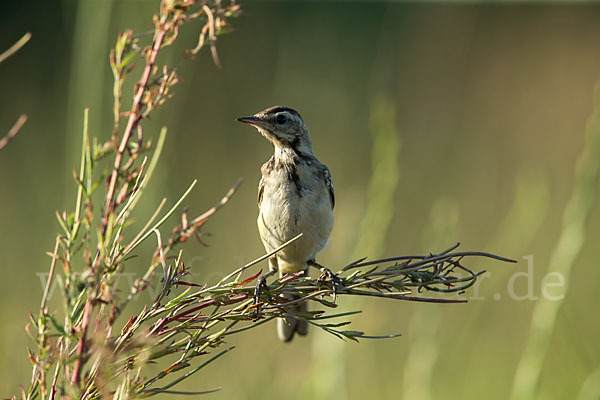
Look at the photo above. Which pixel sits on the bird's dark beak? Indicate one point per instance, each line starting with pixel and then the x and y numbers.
pixel 254 121
pixel 249 120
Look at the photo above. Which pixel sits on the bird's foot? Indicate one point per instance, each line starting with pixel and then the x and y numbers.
pixel 328 276
pixel 261 284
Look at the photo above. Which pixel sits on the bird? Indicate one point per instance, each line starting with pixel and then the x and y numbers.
pixel 295 196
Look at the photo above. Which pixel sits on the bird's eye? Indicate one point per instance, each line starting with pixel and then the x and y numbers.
pixel 281 119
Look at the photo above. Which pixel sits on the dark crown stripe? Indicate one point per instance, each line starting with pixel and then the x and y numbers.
pixel 277 109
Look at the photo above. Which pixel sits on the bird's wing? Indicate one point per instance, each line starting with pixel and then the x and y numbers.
pixel 261 189
pixel 265 170
pixel 329 184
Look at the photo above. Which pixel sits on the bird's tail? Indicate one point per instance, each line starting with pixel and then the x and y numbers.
pixel 286 327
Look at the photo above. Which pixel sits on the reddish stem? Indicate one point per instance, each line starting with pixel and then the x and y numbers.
pixel 79 361
pixel 134 118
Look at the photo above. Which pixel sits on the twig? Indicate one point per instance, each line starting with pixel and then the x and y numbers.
pixel 54 380
pixel 259 259
pixel 133 245
pixel 211 35
pixel 200 219
pixel 15 47
pixel 13 131
pixel 50 275
pixel 81 344
pixel 161 254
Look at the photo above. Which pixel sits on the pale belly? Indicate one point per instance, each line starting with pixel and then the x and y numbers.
pixel 285 214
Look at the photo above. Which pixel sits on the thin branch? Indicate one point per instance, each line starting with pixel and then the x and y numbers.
pixel 81 344
pixel 202 218
pixel 50 275
pixel 211 35
pixel 13 131
pixel 262 258
pixel 52 395
pixel 133 245
pixel 15 47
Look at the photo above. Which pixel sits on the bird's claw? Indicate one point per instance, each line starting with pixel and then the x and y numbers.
pixel 261 284
pixel 328 275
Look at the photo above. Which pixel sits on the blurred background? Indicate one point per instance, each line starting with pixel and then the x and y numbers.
pixel 440 124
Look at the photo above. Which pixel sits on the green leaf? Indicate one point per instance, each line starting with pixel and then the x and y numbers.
pixel 57 325
pixel 62 224
pixel 352 335
pixel 127 59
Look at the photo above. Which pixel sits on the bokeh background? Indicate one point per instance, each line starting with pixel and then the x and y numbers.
pixel 440 123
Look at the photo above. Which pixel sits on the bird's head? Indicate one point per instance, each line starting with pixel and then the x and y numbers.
pixel 282 126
